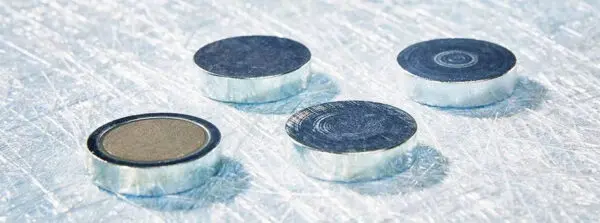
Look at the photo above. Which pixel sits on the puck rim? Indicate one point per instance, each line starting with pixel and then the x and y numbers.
pixel 508 69
pixel 94 142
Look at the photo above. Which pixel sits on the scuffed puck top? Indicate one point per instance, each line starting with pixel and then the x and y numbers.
pixel 252 56
pixel 456 60
pixel 351 126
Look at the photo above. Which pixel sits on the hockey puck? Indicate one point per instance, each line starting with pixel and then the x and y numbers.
pixel 350 140
pixel 153 154
pixel 253 69
pixel 458 72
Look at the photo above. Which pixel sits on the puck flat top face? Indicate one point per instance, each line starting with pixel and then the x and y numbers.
pixel 351 127
pixel 252 56
pixel 456 60
pixel 153 139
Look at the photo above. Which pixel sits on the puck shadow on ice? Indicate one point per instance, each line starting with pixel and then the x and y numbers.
pixel 231 181
pixel 426 167
pixel 528 94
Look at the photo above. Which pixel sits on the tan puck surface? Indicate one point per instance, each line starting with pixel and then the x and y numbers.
pixel 154 140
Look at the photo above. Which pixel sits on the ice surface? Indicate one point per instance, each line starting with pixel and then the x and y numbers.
pixel 69 66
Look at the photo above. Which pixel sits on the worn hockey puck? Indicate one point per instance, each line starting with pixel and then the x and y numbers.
pixel 350 140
